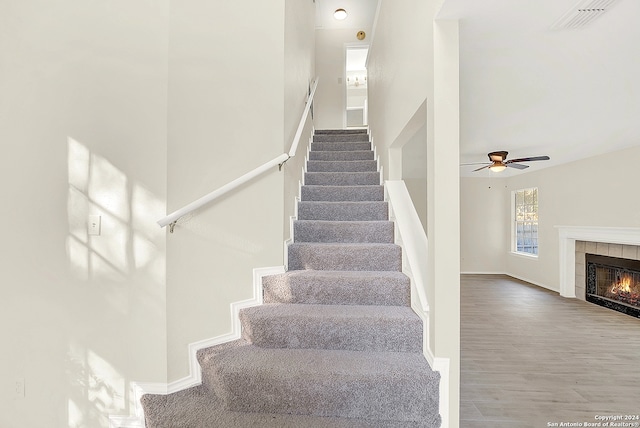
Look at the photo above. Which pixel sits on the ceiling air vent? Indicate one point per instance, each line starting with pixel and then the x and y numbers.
pixel 583 13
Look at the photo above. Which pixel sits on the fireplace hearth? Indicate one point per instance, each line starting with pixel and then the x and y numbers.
pixel 614 283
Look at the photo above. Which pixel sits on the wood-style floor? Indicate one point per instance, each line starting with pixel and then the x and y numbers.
pixel 530 358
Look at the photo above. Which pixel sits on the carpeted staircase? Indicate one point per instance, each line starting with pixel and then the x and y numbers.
pixel 336 343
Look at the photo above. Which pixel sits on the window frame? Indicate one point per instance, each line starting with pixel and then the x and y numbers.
pixel 515 222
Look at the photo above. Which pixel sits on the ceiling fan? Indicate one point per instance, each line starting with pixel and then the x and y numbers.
pixel 498 162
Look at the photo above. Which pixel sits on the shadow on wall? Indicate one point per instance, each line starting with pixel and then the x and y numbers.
pixel 120 286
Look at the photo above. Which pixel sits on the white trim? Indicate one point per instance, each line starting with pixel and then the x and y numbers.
pixel 521 278
pixel 538 284
pixel 568 235
pixel 483 273
pixel 441 365
pixel 412 238
pixel 525 255
pixel 411 233
pixel 195 374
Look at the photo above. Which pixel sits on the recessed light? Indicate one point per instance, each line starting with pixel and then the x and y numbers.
pixel 340 14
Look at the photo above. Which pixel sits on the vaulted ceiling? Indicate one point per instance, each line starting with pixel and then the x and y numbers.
pixel 532 89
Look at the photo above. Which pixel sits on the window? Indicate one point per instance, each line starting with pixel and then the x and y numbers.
pixel 526 221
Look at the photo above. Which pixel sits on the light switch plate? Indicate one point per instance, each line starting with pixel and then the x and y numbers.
pixel 93 225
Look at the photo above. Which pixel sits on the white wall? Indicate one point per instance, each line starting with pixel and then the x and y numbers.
pixel 564 199
pixel 299 39
pixel 82 117
pixel 400 70
pixel 414 171
pixel 330 66
pixel 413 82
pixel 231 74
pixel 484 225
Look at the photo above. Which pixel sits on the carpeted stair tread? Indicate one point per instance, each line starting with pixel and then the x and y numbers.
pixel 353 328
pixel 342 166
pixel 322 138
pixel 355 257
pixel 343 231
pixel 340 146
pixel 396 386
pixel 342 193
pixel 338 288
pixel 343 210
pixel 336 155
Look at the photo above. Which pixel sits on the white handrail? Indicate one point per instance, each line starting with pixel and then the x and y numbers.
pixel 303 119
pixel 221 191
pixel 172 218
pixel 414 240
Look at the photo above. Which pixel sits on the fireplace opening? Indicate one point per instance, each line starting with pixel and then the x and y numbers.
pixel 614 283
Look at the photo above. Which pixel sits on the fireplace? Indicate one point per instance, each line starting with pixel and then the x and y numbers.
pixel 614 283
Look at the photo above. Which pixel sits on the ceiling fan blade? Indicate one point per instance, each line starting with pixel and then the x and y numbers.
pixel 534 158
pixel 516 165
pixel 475 163
pixel 487 166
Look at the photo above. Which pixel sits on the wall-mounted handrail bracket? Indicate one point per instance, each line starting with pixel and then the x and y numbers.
pixel 172 225
pixel 280 165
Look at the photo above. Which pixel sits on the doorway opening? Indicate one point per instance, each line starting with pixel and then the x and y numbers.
pixel 355 114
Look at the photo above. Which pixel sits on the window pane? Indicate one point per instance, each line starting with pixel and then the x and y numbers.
pixel 526 221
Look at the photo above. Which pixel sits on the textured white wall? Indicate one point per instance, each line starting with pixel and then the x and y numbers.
pixel 414 171
pixel 400 69
pixel 225 118
pixel 231 74
pixel 82 129
pixel 413 82
pixel 330 66
pixel 484 225
pixel 299 39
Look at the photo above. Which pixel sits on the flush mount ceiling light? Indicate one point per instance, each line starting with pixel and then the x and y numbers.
pixel 340 14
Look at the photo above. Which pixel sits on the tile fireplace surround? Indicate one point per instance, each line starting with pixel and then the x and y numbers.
pixel 576 241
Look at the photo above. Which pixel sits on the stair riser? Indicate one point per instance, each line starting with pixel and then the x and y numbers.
pixel 393 398
pixel 323 138
pixel 343 211
pixel 347 232
pixel 341 291
pixel 342 166
pixel 342 193
pixel 378 257
pixel 340 147
pixel 341 178
pixel 365 334
pixel 354 155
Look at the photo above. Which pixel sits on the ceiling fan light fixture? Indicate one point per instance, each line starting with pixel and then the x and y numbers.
pixel 498 167
pixel 340 14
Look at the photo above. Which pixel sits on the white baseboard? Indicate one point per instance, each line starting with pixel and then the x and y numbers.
pixel 521 278
pixel 482 273
pixel 536 283
pixel 441 365
pixel 195 374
